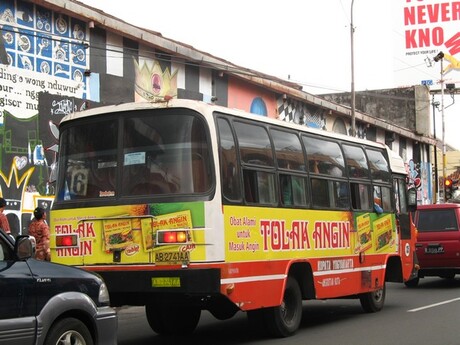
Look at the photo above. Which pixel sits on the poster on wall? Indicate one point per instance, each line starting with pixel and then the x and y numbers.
pixel 426 28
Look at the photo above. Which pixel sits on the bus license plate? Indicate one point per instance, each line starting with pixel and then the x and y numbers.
pixel 172 257
pixel 165 282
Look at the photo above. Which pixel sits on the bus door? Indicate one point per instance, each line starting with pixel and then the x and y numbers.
pixel 406 228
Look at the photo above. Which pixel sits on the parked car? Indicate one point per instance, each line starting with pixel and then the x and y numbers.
pixel 46 303
pixel 438 241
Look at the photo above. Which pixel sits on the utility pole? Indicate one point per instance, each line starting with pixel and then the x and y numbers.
pixel 444 162
pixel 440 57
pixel 436 178
pixel 353 115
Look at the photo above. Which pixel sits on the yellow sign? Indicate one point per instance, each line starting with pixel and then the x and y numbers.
pixel 175 220
pixel 383 232
pixel 130 230
pixel 363 226
pixel 117 233
pixel 255 234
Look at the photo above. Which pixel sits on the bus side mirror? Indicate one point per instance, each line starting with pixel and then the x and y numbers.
pixel 53 172
pixel 412 199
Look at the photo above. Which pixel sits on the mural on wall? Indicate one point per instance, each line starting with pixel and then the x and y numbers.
pixel 152 83
pixel 251 98
pixel 41 53
pixel 293 111
pixel 258 107
pixel 419 178
pixel 361 130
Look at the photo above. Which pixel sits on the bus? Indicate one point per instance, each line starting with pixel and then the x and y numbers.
pixel 183 206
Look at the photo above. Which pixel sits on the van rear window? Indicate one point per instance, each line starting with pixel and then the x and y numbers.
pixel 437 220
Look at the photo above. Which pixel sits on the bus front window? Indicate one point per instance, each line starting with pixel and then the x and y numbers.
pixel 89 154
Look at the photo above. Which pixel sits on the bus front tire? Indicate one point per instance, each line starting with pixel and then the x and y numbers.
pixel 172 320
pixel 373 301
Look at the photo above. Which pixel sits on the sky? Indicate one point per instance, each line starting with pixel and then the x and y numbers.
pixel 307 42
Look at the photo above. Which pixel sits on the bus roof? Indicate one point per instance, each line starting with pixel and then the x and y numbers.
pixel 396 162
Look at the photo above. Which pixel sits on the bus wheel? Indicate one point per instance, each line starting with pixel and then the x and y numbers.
pixel 284 320
pixel 373 301
pixel 169 320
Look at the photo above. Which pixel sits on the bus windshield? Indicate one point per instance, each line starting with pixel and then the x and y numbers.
pixel 155 152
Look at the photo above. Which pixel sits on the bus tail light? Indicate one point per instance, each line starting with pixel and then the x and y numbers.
pixel 68 240
pixel 171 236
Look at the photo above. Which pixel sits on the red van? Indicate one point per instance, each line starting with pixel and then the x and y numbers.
pixel 438 241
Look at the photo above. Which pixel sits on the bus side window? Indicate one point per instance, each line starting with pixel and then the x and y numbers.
pixel 200 176
pixel 229 170
pixel 341 195
pixel 266 187
pixel 324 156
pixel 360 196
pixel 400 196
pixel 386 199
pixel 250 184
pixel 379 167
pixel 382 198
pixel 320 193
pixel 293 190
pixel 286 190
pixel 259 187
pixel 356 161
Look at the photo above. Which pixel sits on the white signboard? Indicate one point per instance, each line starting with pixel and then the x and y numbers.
pixel 426 28
pixel 19 89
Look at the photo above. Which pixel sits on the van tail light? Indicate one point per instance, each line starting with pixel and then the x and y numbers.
pixel 172 236
pixel 65 241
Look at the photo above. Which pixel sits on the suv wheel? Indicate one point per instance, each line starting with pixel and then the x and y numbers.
pixel 69 331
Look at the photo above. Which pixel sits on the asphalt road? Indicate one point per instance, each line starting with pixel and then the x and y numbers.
pixel 428 314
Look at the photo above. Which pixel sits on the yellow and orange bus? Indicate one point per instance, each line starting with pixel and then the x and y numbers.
pixel 183 206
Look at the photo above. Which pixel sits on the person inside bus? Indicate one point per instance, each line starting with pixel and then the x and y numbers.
pixel 292 190
pixel 378 207
pixel 341 196
pixel 286 190
pixel 150 177
pixel 159 172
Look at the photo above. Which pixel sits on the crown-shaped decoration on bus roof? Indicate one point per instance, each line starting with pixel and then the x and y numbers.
pixel 152 82
pixel 13 185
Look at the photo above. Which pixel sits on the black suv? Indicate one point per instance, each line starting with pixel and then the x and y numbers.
pixel 46 303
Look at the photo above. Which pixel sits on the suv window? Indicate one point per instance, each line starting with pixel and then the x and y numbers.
pixel 5 252
pixel 437 220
